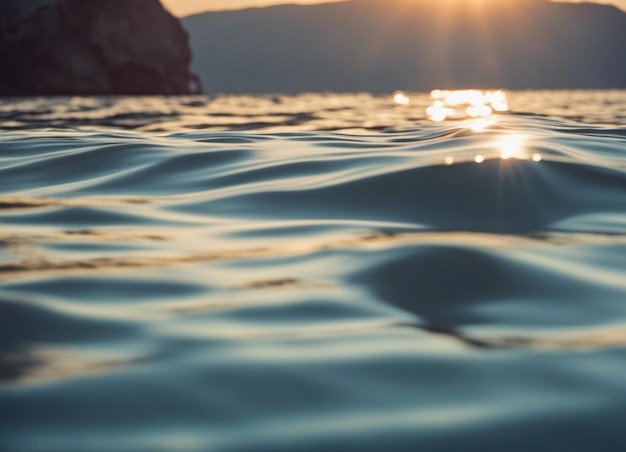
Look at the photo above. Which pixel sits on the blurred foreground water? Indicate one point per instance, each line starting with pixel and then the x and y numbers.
pixel 312 272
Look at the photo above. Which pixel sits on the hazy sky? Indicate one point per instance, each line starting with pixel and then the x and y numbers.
pixel 187 7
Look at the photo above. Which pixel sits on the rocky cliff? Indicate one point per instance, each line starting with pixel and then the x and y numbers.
pixel 95 47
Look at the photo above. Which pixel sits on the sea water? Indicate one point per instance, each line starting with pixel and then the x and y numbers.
pixel 312 272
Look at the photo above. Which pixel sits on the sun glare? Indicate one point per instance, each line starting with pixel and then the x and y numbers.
pixel 458 104
pixel 400 98
pixel 481 124
pixel 480 107
pixel 512 146
pixel 439 112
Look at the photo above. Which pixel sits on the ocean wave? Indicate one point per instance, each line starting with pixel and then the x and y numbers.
pixel 445 286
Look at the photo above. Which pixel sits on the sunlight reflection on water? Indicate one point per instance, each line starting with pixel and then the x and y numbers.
pixel 466 103
pixel 401 98
pixel 345 112
pixel 481 106
pixel 512 146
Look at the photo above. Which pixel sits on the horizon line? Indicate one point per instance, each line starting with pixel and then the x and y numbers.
pixel 186 8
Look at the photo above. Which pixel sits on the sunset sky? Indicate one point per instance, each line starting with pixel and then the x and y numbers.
pixel 186 7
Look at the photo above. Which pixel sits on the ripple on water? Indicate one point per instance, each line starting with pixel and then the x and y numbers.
pixel 314 290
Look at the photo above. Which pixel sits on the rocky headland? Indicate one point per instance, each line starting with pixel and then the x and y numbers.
pixel 95 47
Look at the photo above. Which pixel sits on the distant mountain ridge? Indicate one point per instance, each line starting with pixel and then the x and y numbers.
pixel 380 46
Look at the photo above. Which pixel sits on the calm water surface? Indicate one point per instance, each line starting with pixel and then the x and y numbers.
pixel 312 272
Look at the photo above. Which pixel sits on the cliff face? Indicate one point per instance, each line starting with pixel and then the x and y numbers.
pixel 95 47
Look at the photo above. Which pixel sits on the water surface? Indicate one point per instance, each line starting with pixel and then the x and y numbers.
pixel 314 272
